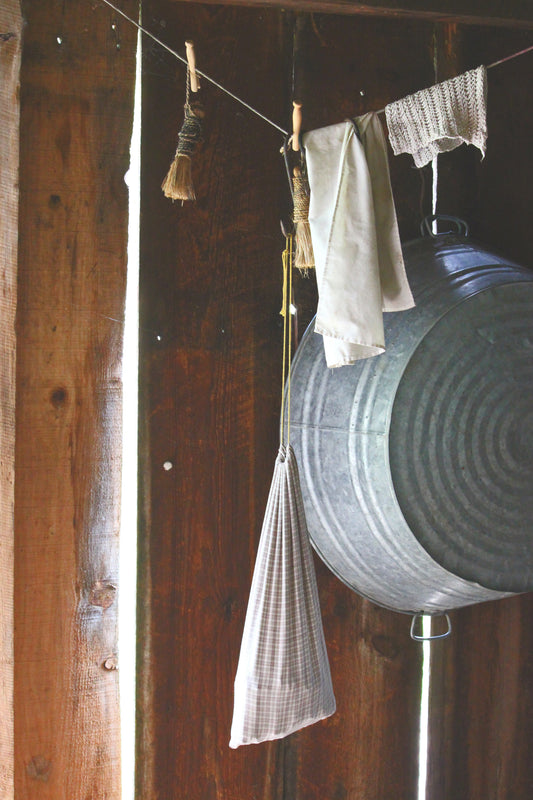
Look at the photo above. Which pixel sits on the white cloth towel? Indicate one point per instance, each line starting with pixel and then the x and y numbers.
pixel 359 263
pixel 440 118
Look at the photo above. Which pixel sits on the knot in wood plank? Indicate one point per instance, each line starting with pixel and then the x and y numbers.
pixel 102 594
pixel 39 768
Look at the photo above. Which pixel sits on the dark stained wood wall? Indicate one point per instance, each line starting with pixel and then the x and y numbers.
pixel 210 375
pixel 485 12
pixel 209 396
pixel 76 114
pixel 482 680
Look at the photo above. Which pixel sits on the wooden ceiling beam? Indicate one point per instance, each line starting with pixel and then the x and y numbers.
pixel 516 14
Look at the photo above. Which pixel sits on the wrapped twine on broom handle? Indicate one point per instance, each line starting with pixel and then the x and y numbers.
pixel 304 258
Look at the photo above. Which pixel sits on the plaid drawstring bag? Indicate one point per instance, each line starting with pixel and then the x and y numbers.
pixel 283 680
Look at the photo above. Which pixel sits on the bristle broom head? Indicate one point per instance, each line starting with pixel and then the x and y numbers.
pixel 178 183
pixel 304 258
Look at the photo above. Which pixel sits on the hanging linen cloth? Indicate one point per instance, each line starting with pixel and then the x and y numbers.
pixel 440 118
pixel 358 257
pixel 283 680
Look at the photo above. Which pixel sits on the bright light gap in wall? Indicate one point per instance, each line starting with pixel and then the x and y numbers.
pixel 128 527
pixel 423 739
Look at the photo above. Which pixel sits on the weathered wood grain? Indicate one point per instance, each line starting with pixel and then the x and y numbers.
pixel 210 360
pixel 474 12
pixel 10 54
pixel 503 180
pixel 76 114
pixel 481 727
pixel 481 734
pixel 210 402
pixel 370 747
pixel 210 388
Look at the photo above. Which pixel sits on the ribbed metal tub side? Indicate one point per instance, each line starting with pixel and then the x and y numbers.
pixel 396 450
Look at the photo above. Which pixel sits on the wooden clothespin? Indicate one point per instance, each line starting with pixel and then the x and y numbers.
pixel 296 125
pixel 178 184
pixel 304 257
pixel 191 63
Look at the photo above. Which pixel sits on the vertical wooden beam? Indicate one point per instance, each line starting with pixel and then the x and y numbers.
pixel 480 701
pixel 76 115
pixel 10 54
pixel 500 211
pixel 210 395
pixel 457 182
pixel 370 747
pixel 481 728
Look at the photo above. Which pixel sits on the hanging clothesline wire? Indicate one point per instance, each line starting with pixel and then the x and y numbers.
pixel 286 313
pixel 508 58
pixel 494 64
pixel 239 99
pixel 198 72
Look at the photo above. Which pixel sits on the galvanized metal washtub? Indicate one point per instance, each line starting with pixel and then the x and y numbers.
pixel 416 466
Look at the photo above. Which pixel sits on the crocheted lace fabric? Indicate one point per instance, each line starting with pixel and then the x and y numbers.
pixel 440 118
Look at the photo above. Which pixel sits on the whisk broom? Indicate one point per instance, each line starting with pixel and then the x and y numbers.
pixel 178 184
pixel 304 257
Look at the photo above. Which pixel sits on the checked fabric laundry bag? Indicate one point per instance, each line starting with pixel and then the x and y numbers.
pixel 283 679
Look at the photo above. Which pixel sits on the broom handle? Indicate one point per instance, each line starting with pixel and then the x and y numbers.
pixel 191 61
pixel 296 125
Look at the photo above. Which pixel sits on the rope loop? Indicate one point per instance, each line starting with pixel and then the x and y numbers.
pixel 287 262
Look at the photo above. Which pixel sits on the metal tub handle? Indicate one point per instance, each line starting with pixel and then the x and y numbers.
pixel 418 638
pixel 460 226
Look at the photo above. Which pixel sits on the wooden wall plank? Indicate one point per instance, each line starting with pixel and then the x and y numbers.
pixel 210 295
pixel 10 55
pixel 474 12
pixel 481 730
pixel 490 193
pixel 500 214
pixel 210 387
pixel 76 115
pixel 481 733
pixel 370 747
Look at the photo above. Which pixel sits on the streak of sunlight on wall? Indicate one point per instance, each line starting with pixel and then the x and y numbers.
pixel 128 528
